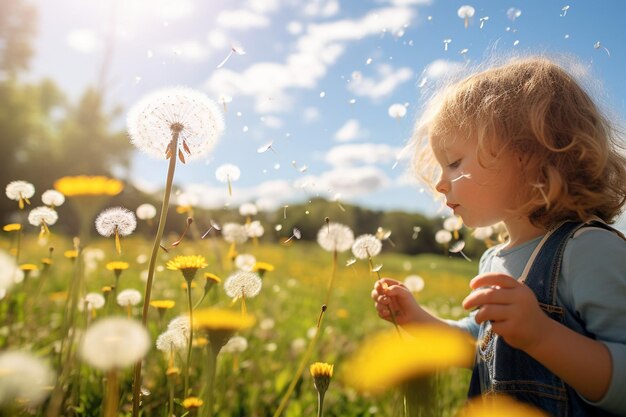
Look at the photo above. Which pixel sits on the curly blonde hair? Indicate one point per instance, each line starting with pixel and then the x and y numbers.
pixel 573 160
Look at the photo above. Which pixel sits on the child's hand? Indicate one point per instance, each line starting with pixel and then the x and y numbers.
pixel 391 294
pixel 511 307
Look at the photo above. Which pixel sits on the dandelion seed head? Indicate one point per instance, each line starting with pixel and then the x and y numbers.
pixel 92 301
pixel 114 343
pixel 245 262
pixel 457 246
pixel 366 246
pixel 236 344
pixel 335 237
pixel 248 209
pixel 52 198
pixel 146 211
pixel 452 223
pixel 25 378
pixel 42 214
pixel 181 325
pixel 254 229
pixel 465 12
pixel 414 283
pixel 197 117
pixel 116 218
pixel 234 233
pixel 17 190
pixel 443 236
pixel 483 233
pixel 243 282
pixel 227 172
pixel 8 269
pixel 129 297
pixel 171 341
pixel 396 111
pixel 512 13
pixel 267 323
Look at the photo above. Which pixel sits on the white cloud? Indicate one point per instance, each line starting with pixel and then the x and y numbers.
pixel 264 6
pixel 241 19
pixel 295 27
pixel 321 8
pixel 351 130
pixel 387 81
pixel 310 114
pixel 217 39
pixel 350 182
pixel 440 68
pixel 268 82
pixel 272 121
pixel 410 2
pixel 364 153
pixel 82 40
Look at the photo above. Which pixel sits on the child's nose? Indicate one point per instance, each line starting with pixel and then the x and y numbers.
pixel 442 186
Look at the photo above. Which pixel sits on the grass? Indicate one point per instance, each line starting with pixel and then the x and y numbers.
pixel 252 382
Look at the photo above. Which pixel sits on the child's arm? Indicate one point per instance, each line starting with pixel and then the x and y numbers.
pixel 515 315
pixel 389 294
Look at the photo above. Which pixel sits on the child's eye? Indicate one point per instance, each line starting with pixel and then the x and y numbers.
pixel 455 164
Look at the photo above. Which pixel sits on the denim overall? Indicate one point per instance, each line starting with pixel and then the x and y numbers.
pixel 502 369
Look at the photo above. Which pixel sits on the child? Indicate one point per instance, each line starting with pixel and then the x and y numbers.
pixel 523 144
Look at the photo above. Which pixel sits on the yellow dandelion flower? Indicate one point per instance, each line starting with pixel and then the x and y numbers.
pixel 263 267
pixel 12 227
pixel 106 289
pixel 46 261
pixel 500 405
pixel 117 266
pixel 423 351
pixel 200 342
pixel 172 371
pixel 183 209
pixel 82 185
pixel 342 313
pixel 188 265
pixel 163 304
pixel 58 296
pixel 212 277
pixel 192 403
pixel 29 267
pixel 71 254
pixel 319 369
pixel 220 325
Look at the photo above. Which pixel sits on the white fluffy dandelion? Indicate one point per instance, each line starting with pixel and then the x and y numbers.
pixel 171 341
pixel 8 271
pixel 24 378
pixel 228 173
pixel 20 191
pixel 42 215
pixel 483 233
pixel 180 325
pixel 129 297
pixel 146 211
pixel 243 283
pixel 414 283
pixel 254 229
pixel 236 344
pixel 465 12
pixel 443 237
pixel 452 223
pixel 245 262
pixel 397 111
pixel 196 118
pixel 52 198
pixel 366 246
pixel 92 301
pixel 116 221
pixel 248 209
pixel 114 343
pixel 234 233
pixel 335 237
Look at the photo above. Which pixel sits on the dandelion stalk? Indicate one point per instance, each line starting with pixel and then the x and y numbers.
pixel 303 362
pixel 155 249
pixel 190 343
pixel 207 411
pixel 112 400
pixel 332 278
pixel 385 287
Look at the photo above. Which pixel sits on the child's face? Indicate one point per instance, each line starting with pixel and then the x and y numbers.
pixel 482 196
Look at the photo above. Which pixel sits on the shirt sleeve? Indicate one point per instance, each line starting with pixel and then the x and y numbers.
pixel 467 324
pixel 593 284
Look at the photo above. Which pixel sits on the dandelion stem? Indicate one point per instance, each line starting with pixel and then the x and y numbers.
pixel 111 402
pixel 190 343
pixel 153 258
pixel 320 404
pixel 332 277
pixel 208 405
pixel 296 377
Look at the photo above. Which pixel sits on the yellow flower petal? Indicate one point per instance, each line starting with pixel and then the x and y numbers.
pixel 12 227
pixel 212 318
pixel 497 406
pixel 88 185
pixel 164 304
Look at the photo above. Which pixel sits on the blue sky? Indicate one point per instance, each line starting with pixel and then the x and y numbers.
pixel 317 79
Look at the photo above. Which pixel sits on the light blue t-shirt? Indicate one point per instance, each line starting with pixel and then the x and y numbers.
pixel 592 285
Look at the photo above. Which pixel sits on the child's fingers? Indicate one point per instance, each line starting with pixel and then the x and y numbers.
pixel 493 312
pixel 489 295
pixel 382 285
pixel 493 279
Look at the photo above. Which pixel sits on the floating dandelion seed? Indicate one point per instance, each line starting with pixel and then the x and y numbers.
pixel 414 283
pixel 335 237
pixel 564 9
pixel 295 233
pixel 396 111
pixel 443 237
pixel 265 148
pixel 366 246
pixel 446 42
pixel 384 234
pixel 457 247
pixel 20 191
pixel 25 380
pixel 116 221
pixel 460 177
pixel 416 231
pixel 224 99
pixel 464 52
pixel 322 94
pixel 114 343
pixel 483 20
pixel 43 217
pixel 146 211
pixel 513 13
pixel 52 198
pixel 228 173
pixel 465 12
pixel 214 225
pixel 243 284
pixel 170 121
pixel 237 50
pixel 598 45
